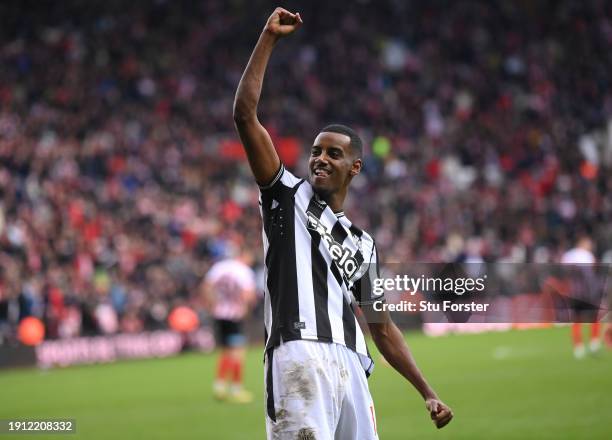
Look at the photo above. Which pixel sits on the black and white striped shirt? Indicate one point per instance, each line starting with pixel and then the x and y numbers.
pixel 317 265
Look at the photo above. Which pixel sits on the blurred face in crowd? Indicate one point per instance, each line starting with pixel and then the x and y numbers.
pixel 585 243
pixel 332 163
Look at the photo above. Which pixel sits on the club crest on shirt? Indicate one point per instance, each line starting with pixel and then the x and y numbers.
pixel 341 255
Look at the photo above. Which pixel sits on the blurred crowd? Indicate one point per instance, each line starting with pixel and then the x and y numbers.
pixel 487 125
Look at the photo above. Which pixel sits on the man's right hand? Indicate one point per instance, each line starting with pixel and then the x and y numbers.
pixel 283 22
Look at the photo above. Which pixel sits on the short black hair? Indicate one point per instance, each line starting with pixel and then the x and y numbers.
pixel 356 144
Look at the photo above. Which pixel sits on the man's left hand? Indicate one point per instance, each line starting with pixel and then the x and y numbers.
pixel 440 413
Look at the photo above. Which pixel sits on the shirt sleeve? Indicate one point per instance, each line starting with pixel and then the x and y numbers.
pixel 282 178
pixel 272 194
pixel 365 290
pixel 277 178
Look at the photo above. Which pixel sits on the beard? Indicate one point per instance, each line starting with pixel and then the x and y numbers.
pixel 322 192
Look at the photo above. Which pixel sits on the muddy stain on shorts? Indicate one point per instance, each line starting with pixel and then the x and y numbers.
pixel 282 421
pixel 344 374
pixel 298 384
pixel 298 381
pixel 305 434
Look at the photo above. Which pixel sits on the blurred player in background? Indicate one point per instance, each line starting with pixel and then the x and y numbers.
pixel 584 291
pixel 229 294
pixel 607 319
pixel 608 331
pixel 319 266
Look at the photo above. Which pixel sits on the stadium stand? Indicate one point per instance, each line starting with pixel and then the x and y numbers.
pixel 488 129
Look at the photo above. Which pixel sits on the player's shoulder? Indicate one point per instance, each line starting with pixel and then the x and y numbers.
pixel 356 231
pixel 217 267
pixel 283 177
pixel 222 266
pixel 236 266
pixel 230 267
pixel 578 256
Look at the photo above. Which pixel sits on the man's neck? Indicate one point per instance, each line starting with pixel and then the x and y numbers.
pixel 334 201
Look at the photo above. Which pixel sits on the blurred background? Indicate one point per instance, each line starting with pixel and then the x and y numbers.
pixel 487 125
pixel 488 129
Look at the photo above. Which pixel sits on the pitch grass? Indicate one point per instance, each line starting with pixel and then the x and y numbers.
pixel 513 385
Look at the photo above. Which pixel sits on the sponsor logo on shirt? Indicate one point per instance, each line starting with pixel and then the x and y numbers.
pixel 341 255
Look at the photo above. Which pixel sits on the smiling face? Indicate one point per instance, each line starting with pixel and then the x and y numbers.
pixel 332 164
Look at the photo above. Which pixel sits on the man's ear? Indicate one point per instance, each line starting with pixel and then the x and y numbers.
pixel 356 168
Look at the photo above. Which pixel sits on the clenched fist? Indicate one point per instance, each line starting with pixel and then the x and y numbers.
pixel 439 412
pixel 283 22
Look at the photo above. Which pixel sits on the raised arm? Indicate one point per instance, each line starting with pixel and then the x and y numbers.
pixel 391 344
pixel 260 151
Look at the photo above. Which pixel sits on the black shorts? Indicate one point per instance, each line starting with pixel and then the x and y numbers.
pixel 584 311
pixel 229 333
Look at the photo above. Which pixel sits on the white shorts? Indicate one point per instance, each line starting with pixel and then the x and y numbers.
pixel 317 390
